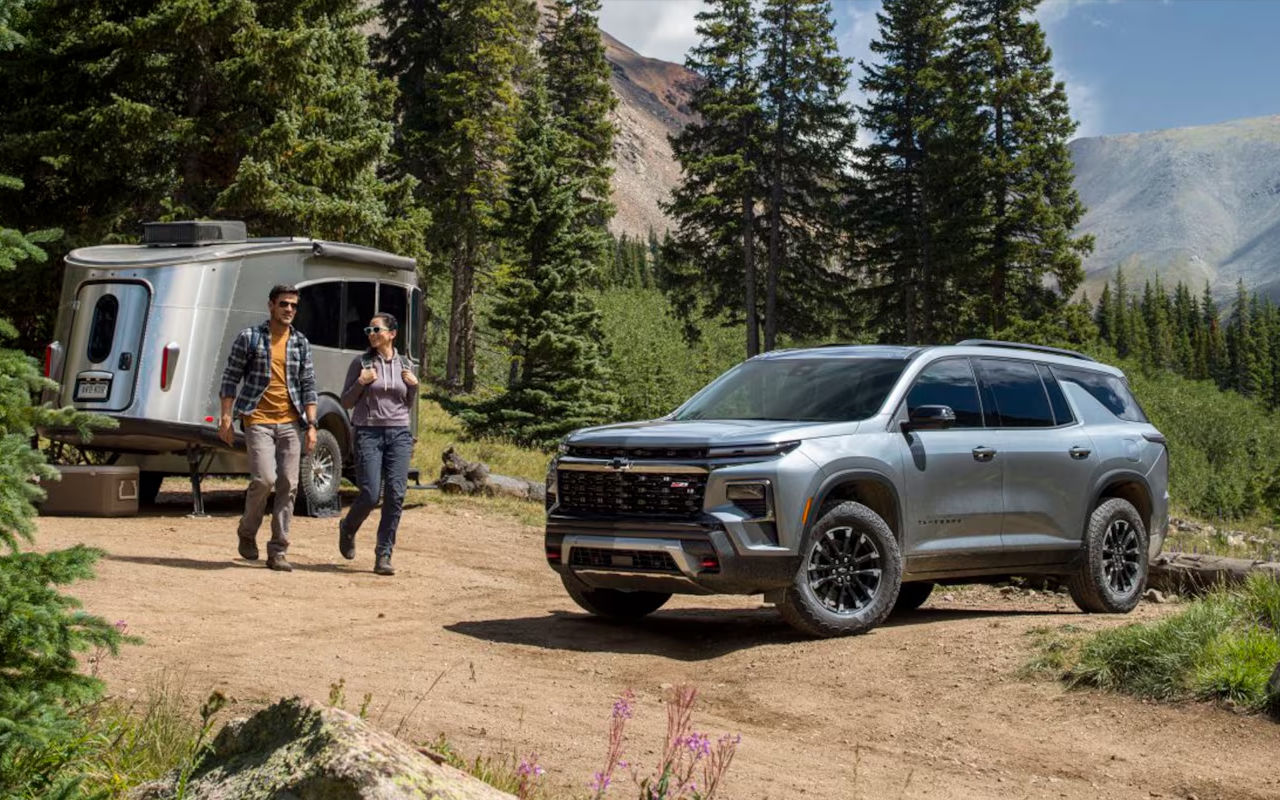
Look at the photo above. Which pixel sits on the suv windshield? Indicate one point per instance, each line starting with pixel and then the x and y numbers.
pixel 800 390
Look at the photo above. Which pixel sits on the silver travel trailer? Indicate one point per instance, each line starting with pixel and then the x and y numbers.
pixel 143 332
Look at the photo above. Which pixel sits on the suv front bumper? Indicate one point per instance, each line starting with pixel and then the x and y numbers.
pixel 677 557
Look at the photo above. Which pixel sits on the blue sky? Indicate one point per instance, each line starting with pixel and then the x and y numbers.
pixel 1129 65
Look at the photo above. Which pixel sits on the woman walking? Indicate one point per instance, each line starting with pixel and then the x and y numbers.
pixel 379 388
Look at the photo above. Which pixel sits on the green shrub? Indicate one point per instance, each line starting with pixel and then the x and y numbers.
pixel 1223 647
pixel 654 369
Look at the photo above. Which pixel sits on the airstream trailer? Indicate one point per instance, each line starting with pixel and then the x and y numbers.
pixel 143 332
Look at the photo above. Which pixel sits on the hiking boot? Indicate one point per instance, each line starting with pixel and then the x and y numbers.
pixel 346 543
pixel 279 563
pixel 382 566
pixel 248 549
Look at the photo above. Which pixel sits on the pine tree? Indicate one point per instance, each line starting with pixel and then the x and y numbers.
pixel 811 135
pixel 165 109
pixel 915 206
pixel 712 269
pixel 1242 369
pixel 558 376
pixel 1217 362
pixel 1033 206
pixel 583 100
pixel 458 64
pixel 42 630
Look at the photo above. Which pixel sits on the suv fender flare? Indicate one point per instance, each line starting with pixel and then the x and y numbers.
pixel 1122 476
pixel 831 482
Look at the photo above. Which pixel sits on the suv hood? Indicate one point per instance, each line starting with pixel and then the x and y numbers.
pixel 693 433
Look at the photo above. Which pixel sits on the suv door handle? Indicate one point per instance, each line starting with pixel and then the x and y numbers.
pixel 1079 453
pixel 983 453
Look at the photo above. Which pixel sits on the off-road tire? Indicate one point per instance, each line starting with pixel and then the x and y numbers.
pixel 912 595
pixel 319 477
pixel 1113 569
pixel 614 603
pixel 149 487
pixel 849 555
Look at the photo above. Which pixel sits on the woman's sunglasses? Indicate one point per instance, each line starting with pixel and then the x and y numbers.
pixel 372 329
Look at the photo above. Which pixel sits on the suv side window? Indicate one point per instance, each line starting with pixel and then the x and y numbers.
pixel 948 382
pixel 1061 410
pixel 1020 397
pixel 1108 390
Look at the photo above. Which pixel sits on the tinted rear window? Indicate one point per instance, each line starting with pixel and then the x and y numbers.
pixel 1021 401
pixel 1061 410
pixel 1109 390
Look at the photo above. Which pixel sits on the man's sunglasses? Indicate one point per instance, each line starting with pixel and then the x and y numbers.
pixel 286 304
pixel 372 329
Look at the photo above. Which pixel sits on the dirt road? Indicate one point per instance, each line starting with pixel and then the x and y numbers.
pixel 925 707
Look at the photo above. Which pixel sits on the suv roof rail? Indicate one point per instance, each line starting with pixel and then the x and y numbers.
pixel 1039 348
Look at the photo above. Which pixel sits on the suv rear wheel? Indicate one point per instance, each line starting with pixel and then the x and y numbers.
pixel 1114 569
pixel 614 603
pixel 849 577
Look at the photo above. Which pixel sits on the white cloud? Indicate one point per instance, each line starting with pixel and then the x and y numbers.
pixel 664 29
pixel 1086 105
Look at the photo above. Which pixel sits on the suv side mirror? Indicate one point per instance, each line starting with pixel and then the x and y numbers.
pixel 930 418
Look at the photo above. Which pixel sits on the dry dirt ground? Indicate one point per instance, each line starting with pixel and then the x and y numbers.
pixel 475 638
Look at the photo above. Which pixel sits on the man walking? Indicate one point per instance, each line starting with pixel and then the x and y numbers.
pixel 271 380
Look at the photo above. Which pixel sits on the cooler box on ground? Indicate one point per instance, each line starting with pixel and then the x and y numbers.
pixel 92 492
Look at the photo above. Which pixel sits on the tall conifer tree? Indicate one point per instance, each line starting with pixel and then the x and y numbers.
pixel 808 153
pixel 558 376
pixel 1033 207
pixel 264 111
pixel 458 64
pixel 917 207
pixel 715 205
pixel 583 101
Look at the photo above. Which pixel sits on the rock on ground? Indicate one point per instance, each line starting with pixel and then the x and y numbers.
pixel 302 751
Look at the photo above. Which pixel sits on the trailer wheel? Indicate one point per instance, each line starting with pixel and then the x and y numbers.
pixel 319 477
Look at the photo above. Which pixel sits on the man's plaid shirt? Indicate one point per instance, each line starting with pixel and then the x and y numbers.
pixel 250 360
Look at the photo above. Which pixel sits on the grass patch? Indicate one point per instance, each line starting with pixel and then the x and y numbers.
pixel 438 430
pixel 1222 647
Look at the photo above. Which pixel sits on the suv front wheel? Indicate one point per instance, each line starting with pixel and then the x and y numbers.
pixel 849 577
pixel 1113 571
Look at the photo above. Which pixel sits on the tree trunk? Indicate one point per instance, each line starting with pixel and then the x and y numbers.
pixel 1190 573
pixel 749 271
pixel 775 190
pixel 457 310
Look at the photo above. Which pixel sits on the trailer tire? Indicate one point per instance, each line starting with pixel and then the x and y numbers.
pixel 319 477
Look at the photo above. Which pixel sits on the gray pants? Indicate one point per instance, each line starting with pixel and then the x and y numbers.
pixel 274 451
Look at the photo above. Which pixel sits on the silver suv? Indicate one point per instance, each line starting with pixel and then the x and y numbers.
pixel 844 482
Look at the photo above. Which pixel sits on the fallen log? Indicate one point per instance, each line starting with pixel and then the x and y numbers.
pixel 1196 573
pixel 460 476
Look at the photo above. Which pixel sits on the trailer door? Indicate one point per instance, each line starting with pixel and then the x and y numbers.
pixel 106 341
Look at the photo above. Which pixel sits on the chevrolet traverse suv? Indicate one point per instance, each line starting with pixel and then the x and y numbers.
pixel 844 482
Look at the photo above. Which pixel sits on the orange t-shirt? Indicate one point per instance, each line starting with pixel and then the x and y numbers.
pixel 275 407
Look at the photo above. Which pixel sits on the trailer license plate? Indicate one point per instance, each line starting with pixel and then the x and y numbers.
pixel 92 389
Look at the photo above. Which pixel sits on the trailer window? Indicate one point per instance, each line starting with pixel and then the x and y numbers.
pixel 413 328
pixel 319 308
pixel 391 299
pixel 357 310
pixel 102 330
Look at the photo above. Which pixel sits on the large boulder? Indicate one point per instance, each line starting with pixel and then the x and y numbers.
pixel 299 750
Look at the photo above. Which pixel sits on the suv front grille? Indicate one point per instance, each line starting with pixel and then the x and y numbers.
pixel 636 453
pixel 647 560
pixel 649 493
